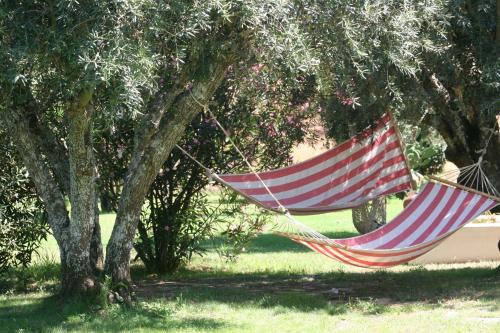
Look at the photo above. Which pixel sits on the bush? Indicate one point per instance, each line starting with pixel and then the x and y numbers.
pixel 171 233
pixel 22 220
pixel 424 148
pixel 267 118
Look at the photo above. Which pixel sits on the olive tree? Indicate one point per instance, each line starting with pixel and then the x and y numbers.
pixel 65 62
pixel 435 63
pixel 367 50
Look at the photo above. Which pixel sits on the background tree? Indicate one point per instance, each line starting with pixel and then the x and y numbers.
pixel 437 58
pixel 371 48
pixel 461 89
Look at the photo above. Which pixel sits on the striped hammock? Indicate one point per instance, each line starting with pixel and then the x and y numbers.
pixel 436 212
pixel 367 166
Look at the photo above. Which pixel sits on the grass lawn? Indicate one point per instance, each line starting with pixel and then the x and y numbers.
pixel 275 286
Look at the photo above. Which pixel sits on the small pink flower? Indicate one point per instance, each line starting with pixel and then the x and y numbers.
pixel 304 106
pixel 257 68
pixel 347 101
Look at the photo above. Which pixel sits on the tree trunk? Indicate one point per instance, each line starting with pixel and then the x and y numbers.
pixel 78 273
pixel 370 215
pixel 74 236
pixel 140 179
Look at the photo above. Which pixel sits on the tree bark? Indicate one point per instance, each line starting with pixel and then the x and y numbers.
pixel 370 215
pixel 78 275
pixel 74 236
pixel 37 167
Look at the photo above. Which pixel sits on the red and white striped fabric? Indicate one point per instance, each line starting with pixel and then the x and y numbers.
pixel 436 212
pixel 367 166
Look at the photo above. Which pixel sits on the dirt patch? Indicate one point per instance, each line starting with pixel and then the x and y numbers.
pixel 333 290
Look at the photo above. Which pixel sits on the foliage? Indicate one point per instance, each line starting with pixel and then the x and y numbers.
pixel 370 54
pixel 371 59
pixel 424 149
pixel 113 148
pixel 169 235
pixel 22 221
pixel 432 58
pixel 242 222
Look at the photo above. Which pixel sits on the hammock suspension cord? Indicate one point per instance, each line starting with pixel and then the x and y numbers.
pixel 305 230
pixel 473 176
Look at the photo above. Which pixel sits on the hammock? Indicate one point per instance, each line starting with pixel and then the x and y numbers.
pixel 367 166
pixel 437 211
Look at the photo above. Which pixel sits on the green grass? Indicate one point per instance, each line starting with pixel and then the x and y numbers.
pixel 49 249
pixel 275 286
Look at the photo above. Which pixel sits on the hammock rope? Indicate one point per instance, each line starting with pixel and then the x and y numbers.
pixel 282 209
pixel 474 176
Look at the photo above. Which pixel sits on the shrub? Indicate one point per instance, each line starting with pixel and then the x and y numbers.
pixel 266 119
pixel 22 220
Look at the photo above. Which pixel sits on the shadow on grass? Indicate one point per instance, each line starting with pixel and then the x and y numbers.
pixel 48 313
pixel 337 292
pixel 366 293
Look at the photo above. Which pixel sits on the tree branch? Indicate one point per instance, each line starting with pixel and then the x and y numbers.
pixel 56 153
pixel 47 188
pixel 149 158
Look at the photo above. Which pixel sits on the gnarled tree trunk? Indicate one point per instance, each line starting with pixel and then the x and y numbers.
pixel 370 215
pixel 78 274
